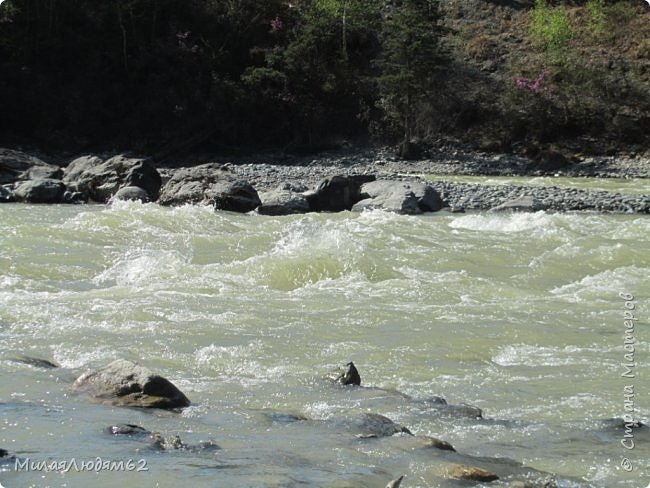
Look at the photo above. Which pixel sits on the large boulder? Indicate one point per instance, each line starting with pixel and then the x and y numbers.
pixel 235 196
pixel 40 191
pixel 337 193
pixel 17 165
pixel 209 184
pixel 100 180
pixel 283 201
pixel 404 197
pixel 128 384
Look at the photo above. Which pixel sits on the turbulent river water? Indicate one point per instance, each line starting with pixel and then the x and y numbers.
pixel 521 315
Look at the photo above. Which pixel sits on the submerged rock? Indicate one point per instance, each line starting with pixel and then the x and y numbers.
pixel 40 191
pixel 99 180
pixel 36 362
pixel 375 425
pixel 349 375
pixel 395 483
pixel 427 442
pixel 4 453
pixel 404 197
pixel 463 472
pixel 130 430
pixel 127 384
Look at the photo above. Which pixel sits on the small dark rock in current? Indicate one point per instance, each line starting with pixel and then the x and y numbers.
pixel 130 430
pixel 347 376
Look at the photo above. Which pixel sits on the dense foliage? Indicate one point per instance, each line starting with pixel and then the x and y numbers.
pixel 221 73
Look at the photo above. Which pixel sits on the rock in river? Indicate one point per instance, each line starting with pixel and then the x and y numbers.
pixel 404 197
pixel 44 190
pixel 283 201
pixel 99 180
pixel 337 193
pixel 349 375
pixel 127 384
pixel 209 184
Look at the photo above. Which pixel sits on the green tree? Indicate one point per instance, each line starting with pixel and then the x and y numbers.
pixel 411 54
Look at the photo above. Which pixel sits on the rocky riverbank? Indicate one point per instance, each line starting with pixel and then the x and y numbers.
pixel 281 184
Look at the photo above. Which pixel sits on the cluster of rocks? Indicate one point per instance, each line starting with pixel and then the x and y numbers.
pixel 330 184
pixel 127 384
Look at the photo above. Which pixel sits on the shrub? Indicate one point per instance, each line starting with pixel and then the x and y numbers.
pixel 551 30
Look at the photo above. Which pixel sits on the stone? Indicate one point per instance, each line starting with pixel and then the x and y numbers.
pixel 376 425
pixel 4 453
pixel 40 191
pixel 209 184
pixel 36 362
pixel 337 193
pixel 124 383
pixel 521 204
pixel 99 180
pixel 463 472
pixel 283 202
pixel 404 197
pixel 18 165
pixel 395 483
pixel 427 442
pixel 6 195
pixel 234 196
pixel 132 193
pixel 349 375
pixel 130 430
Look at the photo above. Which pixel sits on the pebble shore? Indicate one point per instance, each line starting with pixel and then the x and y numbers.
pixel 269 171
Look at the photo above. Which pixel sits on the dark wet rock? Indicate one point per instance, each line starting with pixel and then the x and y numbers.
pixel 18 165
pixel 161 443
pixel 174 443
pixel 620 424
pixel 348 375
pixel 463 472
pixel 4 453
pixel 426 442
pixel 74 197
pixel 6 195
pixel 283 202
pixel 234 196
pixel 36 362
pixel 337 193
pixel 130 430
pixel 404 197
pixel 132 193
pixel 460 410
pixel 543 483
pixel 127 384
pixel 284 417
pixel 395 483
pixel 40 191
pixel 99 180
pixel 522 204
pixel 374 425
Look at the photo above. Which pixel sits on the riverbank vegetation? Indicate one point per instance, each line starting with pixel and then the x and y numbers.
pixel 164 77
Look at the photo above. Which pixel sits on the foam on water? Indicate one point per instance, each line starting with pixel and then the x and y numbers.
pixel 506 222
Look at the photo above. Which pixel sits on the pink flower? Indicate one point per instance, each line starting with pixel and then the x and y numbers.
pixel 276 24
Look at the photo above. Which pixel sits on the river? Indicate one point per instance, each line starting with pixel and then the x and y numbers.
pixel 521 315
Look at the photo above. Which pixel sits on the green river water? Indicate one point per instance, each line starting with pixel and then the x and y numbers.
pixel 521 315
